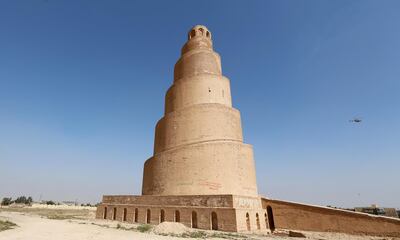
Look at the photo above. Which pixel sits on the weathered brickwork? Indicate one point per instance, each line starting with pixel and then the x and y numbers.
pixel 288 215
pixel 244 214
pixel 199 139
pixel 200 163
pixel 222 210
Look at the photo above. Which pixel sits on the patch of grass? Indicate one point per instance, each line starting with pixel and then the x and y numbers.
pixel 228 236
pixel 119 226
pixel 197 234
pixel 144 228
pixel 206 235
pixel 58 214
pixel 100 225
pixel 5 225
pixel 221 235
pixel 59 217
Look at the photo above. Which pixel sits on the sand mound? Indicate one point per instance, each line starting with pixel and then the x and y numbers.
pixel 171 228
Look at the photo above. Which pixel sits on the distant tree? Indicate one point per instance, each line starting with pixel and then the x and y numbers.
pixel 21 199
pixel 24 200
pixel 50 203
pixel 6 201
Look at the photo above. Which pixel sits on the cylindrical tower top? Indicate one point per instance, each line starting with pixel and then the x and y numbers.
pixel 199 31
pixel 199 37
pixel 197 56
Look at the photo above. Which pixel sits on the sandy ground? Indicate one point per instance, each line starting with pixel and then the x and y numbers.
pixel 38 228
pixel 34 224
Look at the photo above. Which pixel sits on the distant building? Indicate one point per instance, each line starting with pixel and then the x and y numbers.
pixel 70 203
pixel 391 212
pixel 374 209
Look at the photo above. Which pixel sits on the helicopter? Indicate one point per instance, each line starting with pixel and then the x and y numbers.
pixel 355 120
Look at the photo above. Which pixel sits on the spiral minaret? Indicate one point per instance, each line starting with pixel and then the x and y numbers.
pixel 198 147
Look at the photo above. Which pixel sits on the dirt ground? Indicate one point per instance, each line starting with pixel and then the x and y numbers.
pixel 80 224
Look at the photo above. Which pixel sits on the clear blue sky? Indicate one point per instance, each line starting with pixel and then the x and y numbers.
pixel 82 85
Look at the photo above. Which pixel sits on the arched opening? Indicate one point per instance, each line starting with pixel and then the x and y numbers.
pixel 192 34
pixel 201 31
pixel 270 215
pixel 266 220
pixel 208 34
pixel 177 216
pixel 214 221
pixel 162 215
pixel 114 214
pixel 148 216
pixel 258 221
pixel 194 219
pixel 124 215
pixel 248 222
pixel 105 213
pixel 135 218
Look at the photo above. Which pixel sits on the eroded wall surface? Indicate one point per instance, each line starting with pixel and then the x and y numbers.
pixel 211 212
pixel 296 216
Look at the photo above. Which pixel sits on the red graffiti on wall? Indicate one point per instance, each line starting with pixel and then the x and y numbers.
pixel 211 185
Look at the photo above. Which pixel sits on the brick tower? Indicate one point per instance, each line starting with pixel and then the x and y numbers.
pixel 201 173
pixel 198 146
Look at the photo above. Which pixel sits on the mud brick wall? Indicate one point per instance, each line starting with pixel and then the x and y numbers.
pixel 288 215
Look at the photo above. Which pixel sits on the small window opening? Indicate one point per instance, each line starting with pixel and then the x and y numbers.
pixel 248 221
pixel 162 215
pixel 114 214
pixel 177 216
pixel 266 220
pixel 258 221
pixel 270 215
pixel 148 216
pixel 105 213
pixel 209 90
pixel 124 215
pixel 201 31
pixel 135 219
pixel 214 221
pixel 192 33
pixel 208 34
pixel 194 219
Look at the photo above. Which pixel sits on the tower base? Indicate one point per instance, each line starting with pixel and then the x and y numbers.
pixel 233 213
pixel 209 212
